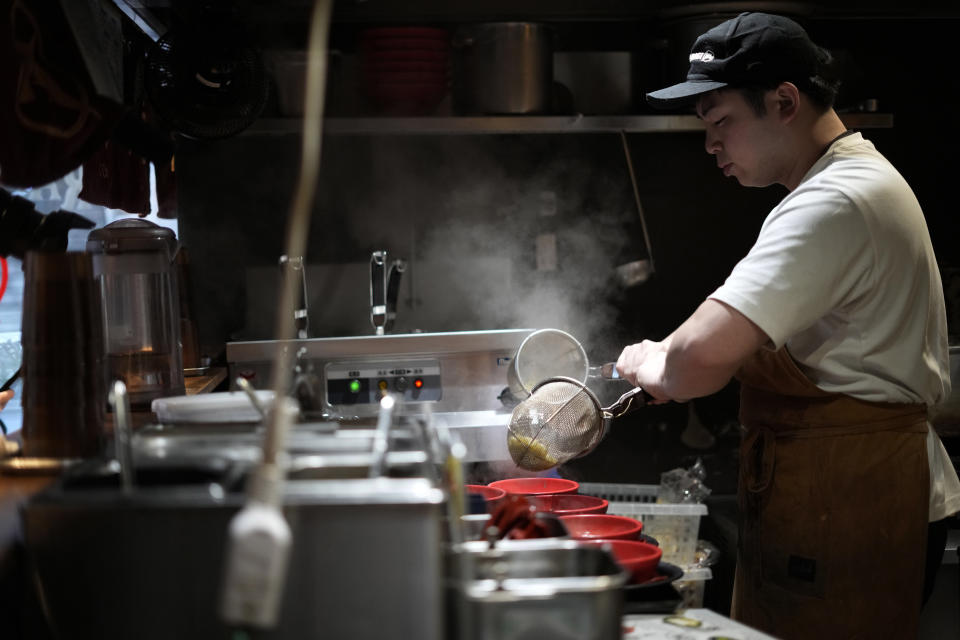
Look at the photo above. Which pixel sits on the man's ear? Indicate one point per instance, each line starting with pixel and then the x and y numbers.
pixel 787 100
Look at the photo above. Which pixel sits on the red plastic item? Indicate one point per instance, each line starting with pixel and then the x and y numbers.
pixel 515 518
pixel 536 486
pixel 563 504
pixel 4 274
pixel 491 495
pixel 598 526
pixel 639 559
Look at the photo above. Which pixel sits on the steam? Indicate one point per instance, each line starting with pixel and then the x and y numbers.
pixel 468 214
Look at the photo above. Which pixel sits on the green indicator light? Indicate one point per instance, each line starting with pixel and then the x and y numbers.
pixel 354 386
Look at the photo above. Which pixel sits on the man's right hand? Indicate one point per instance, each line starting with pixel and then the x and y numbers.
pixel 5 397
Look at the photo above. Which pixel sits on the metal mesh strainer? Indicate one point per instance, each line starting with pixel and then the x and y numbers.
pixel 562 419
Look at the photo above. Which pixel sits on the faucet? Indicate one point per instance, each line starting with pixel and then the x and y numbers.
pixel 384 289
pixel 301 317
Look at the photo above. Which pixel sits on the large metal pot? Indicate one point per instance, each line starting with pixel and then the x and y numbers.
pixel 503 68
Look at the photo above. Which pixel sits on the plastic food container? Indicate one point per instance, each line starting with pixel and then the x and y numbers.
pixel 597 526
pixel 566 504
pixel 536 486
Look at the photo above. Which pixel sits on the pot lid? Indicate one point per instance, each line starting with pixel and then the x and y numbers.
pixel 131 234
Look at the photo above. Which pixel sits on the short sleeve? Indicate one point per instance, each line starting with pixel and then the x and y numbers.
pixel 813 256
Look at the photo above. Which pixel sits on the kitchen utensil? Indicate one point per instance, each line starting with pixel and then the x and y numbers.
pixel 558 589
pixel 637 271
pixel 123 434
pixel 64 374
pixel 568 504
pixel 593 526
pixel 134 265
pixel 562 419
pixel 547 353
pixel 535 486
pixel 248 389
pixel 503 68
pixel 301 314
pixel 638 558
pixel 384 289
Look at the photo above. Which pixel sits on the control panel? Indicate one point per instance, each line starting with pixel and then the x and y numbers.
pixel 365 382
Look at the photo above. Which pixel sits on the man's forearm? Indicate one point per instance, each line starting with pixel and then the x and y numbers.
pixel 704 353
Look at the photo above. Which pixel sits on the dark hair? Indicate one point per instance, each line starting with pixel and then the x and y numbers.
pixel 822 88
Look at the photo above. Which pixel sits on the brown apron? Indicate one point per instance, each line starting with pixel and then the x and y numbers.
pixel 833 503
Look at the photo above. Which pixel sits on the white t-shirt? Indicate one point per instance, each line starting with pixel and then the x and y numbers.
pixel 843 273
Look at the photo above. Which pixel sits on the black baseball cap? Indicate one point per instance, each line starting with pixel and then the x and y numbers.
pixel 752 49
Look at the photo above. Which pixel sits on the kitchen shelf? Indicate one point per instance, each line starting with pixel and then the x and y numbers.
pixel 465 125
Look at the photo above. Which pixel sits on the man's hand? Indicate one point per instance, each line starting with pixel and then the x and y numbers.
pixel 697 359
pixel 5 397
pixel 642 365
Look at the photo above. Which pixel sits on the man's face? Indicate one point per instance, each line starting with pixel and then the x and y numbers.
pixel 744 143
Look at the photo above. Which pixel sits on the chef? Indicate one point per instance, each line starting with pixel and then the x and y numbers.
pixel 834 323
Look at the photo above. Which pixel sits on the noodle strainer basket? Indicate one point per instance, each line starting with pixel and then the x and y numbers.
pixel 561 420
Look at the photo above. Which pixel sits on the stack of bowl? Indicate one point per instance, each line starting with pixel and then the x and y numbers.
pixel 404 70
pixel 536 486
pixel 601 526
pixel 491 496
pixel 639 559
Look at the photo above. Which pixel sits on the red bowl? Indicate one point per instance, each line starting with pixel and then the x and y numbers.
pixel 568 504
pixel 595 526
pixel 639 559
pixel 536 486
pixel 490 494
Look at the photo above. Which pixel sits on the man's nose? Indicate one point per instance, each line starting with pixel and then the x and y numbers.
pixel 712 144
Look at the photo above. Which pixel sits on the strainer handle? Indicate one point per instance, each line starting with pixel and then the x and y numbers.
pixel 607 370
pixel 628 402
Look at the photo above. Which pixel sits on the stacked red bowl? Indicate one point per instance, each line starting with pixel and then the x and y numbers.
pixel 601 526
pixel 563 504
pixel 536 486
pixel 639 559
pixel 405 70
pixel 491 495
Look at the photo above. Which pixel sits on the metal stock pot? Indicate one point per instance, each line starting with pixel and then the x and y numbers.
pixel 503 68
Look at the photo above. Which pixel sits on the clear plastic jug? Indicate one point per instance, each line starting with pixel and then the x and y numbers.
pixel 134 265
